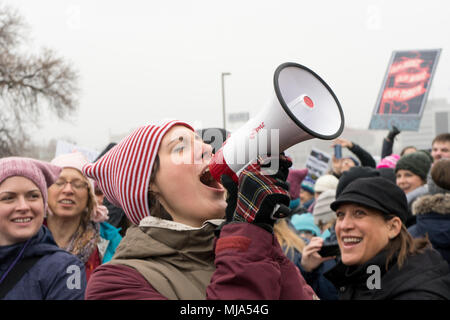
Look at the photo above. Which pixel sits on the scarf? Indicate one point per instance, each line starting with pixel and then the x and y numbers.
pixel 84 240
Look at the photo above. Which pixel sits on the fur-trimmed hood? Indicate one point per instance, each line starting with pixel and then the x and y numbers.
pixel 433 219
pixel 437 203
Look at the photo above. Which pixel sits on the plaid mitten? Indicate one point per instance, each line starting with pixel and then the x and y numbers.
pixel 261 198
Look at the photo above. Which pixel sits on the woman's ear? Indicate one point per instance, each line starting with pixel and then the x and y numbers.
pixel 394 227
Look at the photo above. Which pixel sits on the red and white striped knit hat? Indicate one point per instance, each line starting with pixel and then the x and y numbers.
pixel 123 173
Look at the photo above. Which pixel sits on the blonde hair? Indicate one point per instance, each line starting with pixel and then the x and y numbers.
pixel 92 202
pixel 325 226
pixel 287 237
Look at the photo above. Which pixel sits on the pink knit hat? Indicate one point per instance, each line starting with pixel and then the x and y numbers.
pixel 123 173
pixel 74 160
pixel 295 178
pixel 43 174
pixel 389 161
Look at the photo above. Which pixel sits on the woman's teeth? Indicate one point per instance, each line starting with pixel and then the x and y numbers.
pixel 25 220
pixel 67 201
pixel 351 240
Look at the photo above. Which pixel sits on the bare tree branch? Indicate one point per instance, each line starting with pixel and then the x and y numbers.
pixel 29 83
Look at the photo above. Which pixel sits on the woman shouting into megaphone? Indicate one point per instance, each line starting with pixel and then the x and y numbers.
pixel 176 250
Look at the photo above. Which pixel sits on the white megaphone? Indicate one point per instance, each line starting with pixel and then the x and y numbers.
pixel 303 107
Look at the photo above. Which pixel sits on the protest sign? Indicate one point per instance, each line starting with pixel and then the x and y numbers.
pixel 63 147
pixel 317 165
pixel 404 91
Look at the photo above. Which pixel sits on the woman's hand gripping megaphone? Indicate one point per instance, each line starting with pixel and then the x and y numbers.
pixel 259 198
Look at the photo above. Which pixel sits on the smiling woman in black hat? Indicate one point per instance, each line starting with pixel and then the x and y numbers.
pixel 379 258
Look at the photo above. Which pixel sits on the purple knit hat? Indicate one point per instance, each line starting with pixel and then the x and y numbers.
pixel 389 161
pixel 295 178
pixel 42 174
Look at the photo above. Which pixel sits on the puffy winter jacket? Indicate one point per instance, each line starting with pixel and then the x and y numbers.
pixel 433 218
pixel 161 262
pixel 57 275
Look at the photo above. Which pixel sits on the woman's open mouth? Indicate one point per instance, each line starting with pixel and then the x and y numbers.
pixel 207 179
pixel 66 203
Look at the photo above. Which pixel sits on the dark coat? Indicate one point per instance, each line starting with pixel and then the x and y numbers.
pixel 49 277
pixel 433 218
pixel 115 214
pixel 324 289
pixel 424 276
pixel 387 147
pixel 365 157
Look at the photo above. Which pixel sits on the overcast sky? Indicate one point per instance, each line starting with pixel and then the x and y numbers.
pixel 141 61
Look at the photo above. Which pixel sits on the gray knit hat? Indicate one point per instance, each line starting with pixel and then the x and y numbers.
pixel 322 211
pixel 417 162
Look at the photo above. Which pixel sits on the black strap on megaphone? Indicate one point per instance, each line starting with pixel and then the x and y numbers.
pixel 280 211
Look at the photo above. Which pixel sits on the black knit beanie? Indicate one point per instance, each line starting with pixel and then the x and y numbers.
pixel 417 162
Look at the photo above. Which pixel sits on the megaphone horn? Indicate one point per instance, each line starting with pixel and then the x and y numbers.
pixel 303 107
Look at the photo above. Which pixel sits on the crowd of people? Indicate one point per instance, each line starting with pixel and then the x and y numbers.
pixel 146 220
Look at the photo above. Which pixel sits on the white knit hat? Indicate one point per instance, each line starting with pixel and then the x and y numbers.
pixel 74 160
pixel 322 210
pixel 326 182
pixel 123 173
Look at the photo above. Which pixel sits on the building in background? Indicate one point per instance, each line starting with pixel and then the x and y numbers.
pixel 435 120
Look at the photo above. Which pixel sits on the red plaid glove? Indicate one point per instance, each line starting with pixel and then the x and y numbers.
pixel 262 198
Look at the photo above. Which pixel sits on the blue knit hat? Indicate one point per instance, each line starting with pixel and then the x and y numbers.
pixel 308 184
pixel 305 222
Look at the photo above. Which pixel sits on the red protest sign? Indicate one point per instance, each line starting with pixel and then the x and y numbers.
pixel 405 88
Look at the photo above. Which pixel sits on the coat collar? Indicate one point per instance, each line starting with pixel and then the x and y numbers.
pixel 167 224
pixel 342 275
pixel 41 244
pixel 158 238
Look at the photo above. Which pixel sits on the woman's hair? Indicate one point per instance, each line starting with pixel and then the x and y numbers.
pixel 325 226
pixel 440 173
pixel 404 245
pixel 86 215
pixel 155 207
pixel 406 148
pixel 287 237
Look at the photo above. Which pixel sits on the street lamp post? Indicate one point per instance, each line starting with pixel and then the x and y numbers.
pixel 223 99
